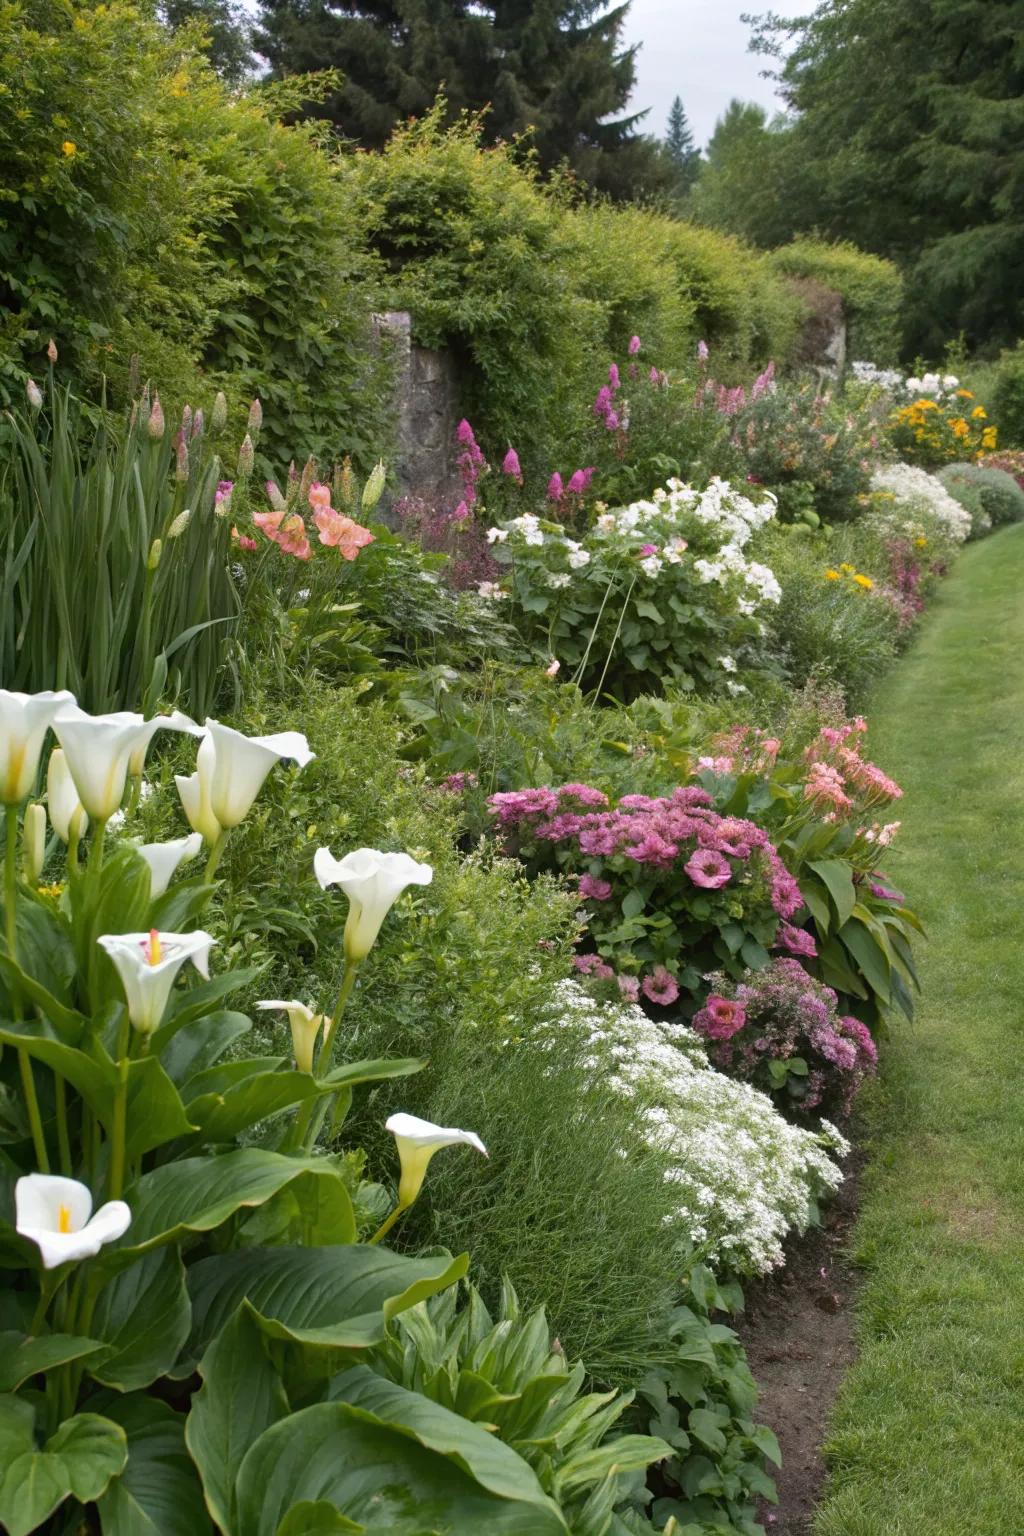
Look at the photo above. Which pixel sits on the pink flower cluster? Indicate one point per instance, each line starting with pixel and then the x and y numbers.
pixel 289 532
pixel 743 749
pixel 838 775
pixel 783 1014
pixel 577 486
pixel 472 465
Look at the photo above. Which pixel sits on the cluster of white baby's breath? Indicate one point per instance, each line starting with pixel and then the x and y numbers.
pixel 920 503
pixel 744 1176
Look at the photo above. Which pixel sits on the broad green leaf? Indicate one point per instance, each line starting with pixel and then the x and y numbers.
pixel 870 959
pixel 835 969
pixel 627 1453
pixel 260 1095
pixel 198 1193
pixel 196 1002
pixel 78 1461
pixel 339 1297
pixel 816 900
pixel 706 1427
pixel 311 1210
pixel 144 1315
pixel 372 1472
pixel 489 1461
pixel 319 1519
pixel 241 1396
pixel 22 1356
pixel 837 877
pixel 156 1114
pixel 158 1493
pixel 197 1046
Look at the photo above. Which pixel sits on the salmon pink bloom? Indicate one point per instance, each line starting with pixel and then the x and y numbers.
pixel 342 533
pixel 319 496
pixel 292 538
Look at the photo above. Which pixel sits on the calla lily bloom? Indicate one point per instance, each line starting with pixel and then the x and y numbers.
pixel 240 765
pixel 102 750
pixel 67 813
pixel 56 1214
pixel 373 882
pixel 25 719
pixel 306 1025
pixel 163 859
pixel 148 963
pixel 194 792
pixel 417 1141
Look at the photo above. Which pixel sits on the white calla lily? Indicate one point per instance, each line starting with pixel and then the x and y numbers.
pixel 25 719
pixel 148 963
pixel 417 1141
pixel 194 792
pixel 33 841
pixel 102 750
pixel 175 721
pixel 241 764
pixel 373 882
pixel 67 813
pixel 305 1026
pixel 164 858
pixel 56 1214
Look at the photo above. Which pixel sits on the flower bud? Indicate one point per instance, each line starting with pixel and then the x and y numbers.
pixel 308 476
pixel 181 460
pixel 246 458
pixel 343 484
pixel 33 841
pixel 51 350
pixel 180 523
pixel 35 398
pixel 155 425
pixel 275 498
pixel 219 414
pixel 374 487
pixel 153 559
pixel 255 416
pixel 186 420
pixel 197 425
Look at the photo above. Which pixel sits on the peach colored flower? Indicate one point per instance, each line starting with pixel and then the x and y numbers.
pixel 292 537
pixel 320 496
pixel 343 533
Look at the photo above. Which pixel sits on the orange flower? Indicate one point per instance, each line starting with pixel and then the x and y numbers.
pixel 346 535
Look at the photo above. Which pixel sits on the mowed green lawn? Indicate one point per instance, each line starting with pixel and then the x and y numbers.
pixel 928 1436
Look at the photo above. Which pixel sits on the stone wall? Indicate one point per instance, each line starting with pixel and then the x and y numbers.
pixel 426 409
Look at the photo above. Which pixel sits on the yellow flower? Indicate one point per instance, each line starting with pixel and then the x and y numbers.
pixel 863 581
pixel 921 542
pixel 988 437
pixel 960 427
pixel 979 413
pixel 965 394
pixel 70 149
pixel 847 569
pixel 831 575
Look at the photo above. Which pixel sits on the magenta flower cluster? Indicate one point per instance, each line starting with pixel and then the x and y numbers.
pixel 781 1014
pixel 679 841
pixel 472 465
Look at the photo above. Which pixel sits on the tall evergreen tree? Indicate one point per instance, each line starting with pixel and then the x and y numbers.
pixel 681 149
pixel 557 69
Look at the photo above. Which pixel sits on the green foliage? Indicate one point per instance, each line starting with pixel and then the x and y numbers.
pixel 809 448
pixel 871 289
pixel 114 569
pixel 558 74
pixel 507 1373
pixel 832 630
pixel 748 185
pixel 1000 497
pixel 149 210
pixel 1007 396
pixel 702 1402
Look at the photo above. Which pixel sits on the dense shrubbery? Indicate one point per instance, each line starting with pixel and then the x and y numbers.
pixel 871 289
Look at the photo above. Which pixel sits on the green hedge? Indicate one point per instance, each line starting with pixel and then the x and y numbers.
pixel 871 289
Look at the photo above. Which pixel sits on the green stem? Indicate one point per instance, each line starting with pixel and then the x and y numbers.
pixel 387 1224
pixel 215 857
pixel 28 1081
pixel 93 870
pixel 118 1132
pixel 63 1140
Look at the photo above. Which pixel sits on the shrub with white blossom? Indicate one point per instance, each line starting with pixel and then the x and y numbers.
pixel 658 591
pixel 911 503
pixel 745 1176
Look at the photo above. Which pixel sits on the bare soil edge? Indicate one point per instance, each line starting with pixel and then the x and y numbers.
pixel 798 1330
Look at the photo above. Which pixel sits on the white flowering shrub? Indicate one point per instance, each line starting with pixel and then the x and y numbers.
pixel 744 1176
pixel 911 503
pixel 661 590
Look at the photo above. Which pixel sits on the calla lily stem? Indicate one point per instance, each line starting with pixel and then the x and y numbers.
pixel 212 862
pixel 118 1130
pixel 28 1081
pixel 387 1224
pixel 313 1113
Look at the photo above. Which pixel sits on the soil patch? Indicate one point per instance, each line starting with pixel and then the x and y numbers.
pixel 798 1330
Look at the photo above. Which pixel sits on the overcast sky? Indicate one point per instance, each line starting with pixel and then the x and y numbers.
pixel 697 49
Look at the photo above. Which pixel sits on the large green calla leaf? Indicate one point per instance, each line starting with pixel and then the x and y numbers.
pixel 241 1396
pixel 144 1315
pixel 196 1194
pixel 311 1210
pixel 338 1298
pixel 229 1099
pixel 837 877
pixel 188 1006
pixel 197 1046
pixel 871 960
pixel 158 1493
pixel 382 1476
pixel 78 1461
pixel 319 1519
pixel 23 1356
